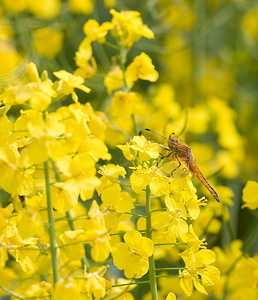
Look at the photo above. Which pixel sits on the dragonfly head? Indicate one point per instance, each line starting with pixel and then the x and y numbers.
pixel 173 139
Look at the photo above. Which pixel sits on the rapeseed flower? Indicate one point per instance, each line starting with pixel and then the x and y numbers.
pixel 250 195
pixel 69 82
pixel 44 9
pixel 114 79
pixel 198 271
pixel 141 68
pixel 132 255
pixel 128 27
pixel 47 41
pixel 81 6
pixel 96 32
pixel 66 289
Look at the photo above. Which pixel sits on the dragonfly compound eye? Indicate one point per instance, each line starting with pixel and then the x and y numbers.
pixel 174 140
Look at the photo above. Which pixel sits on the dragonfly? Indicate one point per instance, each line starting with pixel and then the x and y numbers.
pixel 183 153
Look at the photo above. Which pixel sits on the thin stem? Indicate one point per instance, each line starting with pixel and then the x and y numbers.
pixel 169 268
pixel 152 275
pixel 167 276
pixel 160 209
pixel 15 247
pixel 51 225
pixel 134 214
pixel 71 218
pixel 112 45
pixel 19 296
pixel 169 244
pixel 135 127
pixel 131 283
pixel 230 231
pixel 123 54
pixel 250 239
pixel 123 232
pixel 11 292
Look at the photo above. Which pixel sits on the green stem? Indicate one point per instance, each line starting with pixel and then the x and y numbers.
pixel 112 45
pixel 250 239
pixel 51 226
pixel 135 128
pixel 152 275
pixel 131 283
pixel 21 297
pixel 168 244
pixel 170 268
pixel 134 214
pixel 123 55
pixel 11 292
pixel 71 218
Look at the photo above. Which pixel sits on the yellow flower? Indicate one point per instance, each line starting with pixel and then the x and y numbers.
pixel 47 41
pixel 16 181
pixel 16 6
pixel 97 234
pixel 198 271
pixel 114 199
pixel 66 289
pixel 141 68
pixel 225 259
pixel 76 251
pixel 69 82
pixel 96 32
pixel 95 285
pixel 176 222
pixel 193 240
pixel 140 148
pixel 10 60
pixel 140 179
pixel 114 79
pixel 250 25
pixel 86 63
pixel 171 296
pixel 81 6
pixel 39 94
pixel 198 119
pixel 124 104
pixel 132 256
pixel 111 172
pixel 63 196
pixel 42 288
pixel 128 27
pixel 44 9
pixel 110 3
pixel 250 195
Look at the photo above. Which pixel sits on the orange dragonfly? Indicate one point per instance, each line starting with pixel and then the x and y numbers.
pixel 182 152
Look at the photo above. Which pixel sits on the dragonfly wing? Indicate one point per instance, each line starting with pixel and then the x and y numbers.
pixel 170 168
pixel 154 137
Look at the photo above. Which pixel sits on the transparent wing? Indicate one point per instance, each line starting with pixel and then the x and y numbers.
pixel 171 168
pixel 154 137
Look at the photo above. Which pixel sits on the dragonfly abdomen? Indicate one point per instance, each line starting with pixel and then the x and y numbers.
pixel 196 171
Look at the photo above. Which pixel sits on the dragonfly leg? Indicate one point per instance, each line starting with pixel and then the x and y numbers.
pixel 165 148
pixel 163 156
pixel 179 164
